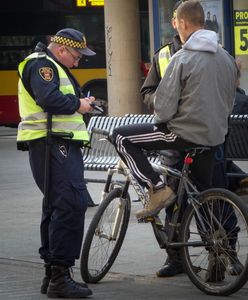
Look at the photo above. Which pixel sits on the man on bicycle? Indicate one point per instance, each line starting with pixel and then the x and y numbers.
pixel 161 58
pixel 192 105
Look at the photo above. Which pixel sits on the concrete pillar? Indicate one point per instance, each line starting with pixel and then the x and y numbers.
pixel 123 56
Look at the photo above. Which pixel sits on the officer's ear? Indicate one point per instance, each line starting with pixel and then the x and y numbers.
pixel 61 49
pixel 173 23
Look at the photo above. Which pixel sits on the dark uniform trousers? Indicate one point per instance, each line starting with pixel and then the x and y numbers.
pixel 62 223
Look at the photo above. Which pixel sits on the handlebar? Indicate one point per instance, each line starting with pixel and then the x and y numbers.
pixel 101 131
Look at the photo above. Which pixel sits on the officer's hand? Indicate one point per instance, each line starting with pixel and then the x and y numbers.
pixel 85 104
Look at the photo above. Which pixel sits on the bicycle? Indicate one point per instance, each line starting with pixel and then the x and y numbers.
pixel 207 248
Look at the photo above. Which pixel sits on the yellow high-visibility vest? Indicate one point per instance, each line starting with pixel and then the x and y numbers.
pixel 163 59
pixel 34 120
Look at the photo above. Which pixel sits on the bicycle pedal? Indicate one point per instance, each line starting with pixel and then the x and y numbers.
pixel 136 200
pixel 147 219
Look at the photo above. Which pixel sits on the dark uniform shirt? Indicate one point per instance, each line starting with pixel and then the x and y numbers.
pixel 45 90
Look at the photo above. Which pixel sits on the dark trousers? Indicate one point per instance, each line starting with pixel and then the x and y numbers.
pixel 62 222
pixel 220 180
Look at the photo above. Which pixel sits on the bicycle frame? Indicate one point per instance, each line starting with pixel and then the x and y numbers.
pixel 185 185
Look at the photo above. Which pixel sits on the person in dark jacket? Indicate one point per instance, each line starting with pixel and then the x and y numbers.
pixel 241 99
pixel 241 103
pixel 237 184
pixel 48 88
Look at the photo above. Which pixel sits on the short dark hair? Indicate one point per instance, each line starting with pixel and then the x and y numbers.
pixel 191 11
pixel 176 5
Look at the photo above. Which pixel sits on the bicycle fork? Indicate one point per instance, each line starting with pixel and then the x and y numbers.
pixel 120 210
pixel 122 201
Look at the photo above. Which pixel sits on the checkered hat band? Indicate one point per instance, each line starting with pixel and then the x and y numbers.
pixel 68 42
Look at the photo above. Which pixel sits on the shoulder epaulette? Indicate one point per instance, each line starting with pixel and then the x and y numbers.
pixel 41 55
pixel 165 45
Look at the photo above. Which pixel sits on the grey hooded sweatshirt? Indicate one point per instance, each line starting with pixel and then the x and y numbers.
pixel 196 94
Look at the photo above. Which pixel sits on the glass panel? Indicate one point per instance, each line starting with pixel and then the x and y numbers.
pixel 166 31
pixel 13 49
pixel 16 42
pixel 214 17
pixel 241 39
pixel 144 31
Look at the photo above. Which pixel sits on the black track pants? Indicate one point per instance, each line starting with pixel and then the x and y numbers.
pixel 130 140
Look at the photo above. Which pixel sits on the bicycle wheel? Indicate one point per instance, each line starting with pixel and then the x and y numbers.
pixel 105 236
pixel 217 259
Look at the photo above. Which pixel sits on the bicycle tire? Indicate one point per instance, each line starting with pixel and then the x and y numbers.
pixel 210 268
pixel 99 251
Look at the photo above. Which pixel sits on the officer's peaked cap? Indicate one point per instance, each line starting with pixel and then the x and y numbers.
pixel 177 4
pixel 72 38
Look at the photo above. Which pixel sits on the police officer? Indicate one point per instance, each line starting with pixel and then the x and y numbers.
pixel 47 87
pixel 173 264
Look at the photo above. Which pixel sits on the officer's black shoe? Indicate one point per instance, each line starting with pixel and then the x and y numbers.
pixel 46 279
pixel 171 267
pixel 63 286
pixel 92 204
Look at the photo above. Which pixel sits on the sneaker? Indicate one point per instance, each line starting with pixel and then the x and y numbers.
pixel 244 182
pixel 216 268
pixel 158 199
pixel 242 191
pixel 243 187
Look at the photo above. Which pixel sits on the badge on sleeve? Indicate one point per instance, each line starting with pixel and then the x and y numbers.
pixel 46 73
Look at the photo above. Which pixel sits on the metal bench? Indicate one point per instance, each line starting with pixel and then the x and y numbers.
pixel 102 155
pixel 237 141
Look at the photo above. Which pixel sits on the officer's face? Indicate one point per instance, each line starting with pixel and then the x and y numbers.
pixel 70 57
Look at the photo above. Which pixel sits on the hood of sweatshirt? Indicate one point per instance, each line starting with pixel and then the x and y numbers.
pixel 202 40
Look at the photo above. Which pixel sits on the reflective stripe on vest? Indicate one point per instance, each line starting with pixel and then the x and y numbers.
pixel 163 59
pixel 34 119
